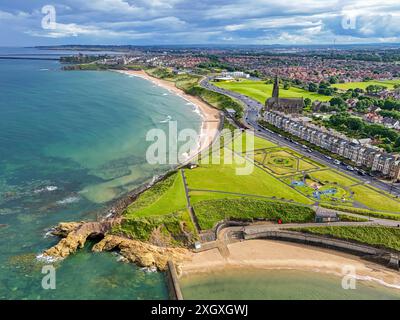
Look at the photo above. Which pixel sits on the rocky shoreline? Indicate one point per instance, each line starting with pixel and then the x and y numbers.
pixel 75 235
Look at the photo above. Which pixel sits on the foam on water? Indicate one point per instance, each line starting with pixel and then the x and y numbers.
pixel 69 200
pixel 48 189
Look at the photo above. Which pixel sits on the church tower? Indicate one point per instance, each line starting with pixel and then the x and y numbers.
pixel 275 92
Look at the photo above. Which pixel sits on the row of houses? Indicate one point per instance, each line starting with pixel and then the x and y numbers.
pixel 363 155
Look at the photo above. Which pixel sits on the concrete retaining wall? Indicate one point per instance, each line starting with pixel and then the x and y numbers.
pixel 173 284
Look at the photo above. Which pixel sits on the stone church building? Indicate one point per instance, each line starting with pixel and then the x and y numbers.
pixel 286 105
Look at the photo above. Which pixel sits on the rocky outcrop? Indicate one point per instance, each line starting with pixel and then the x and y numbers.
pixel 143 254
pixel 65 228
pixel 75 235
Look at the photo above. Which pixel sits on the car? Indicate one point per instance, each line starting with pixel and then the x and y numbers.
pixel 328 157
pixel 350 168
pixel 337 162
pixel 309 150
pixel 361 172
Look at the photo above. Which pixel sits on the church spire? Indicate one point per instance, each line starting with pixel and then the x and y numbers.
pixel 275 92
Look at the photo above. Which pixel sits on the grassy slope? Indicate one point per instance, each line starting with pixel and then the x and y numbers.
pixel 384 237
pixel 375 200
pixel 261 91
pixel 212 211
pixel 364 212
pixel 165 197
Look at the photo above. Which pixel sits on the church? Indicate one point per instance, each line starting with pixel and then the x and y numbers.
pixel 286 105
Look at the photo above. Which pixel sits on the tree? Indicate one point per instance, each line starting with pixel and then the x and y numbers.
pixel 312 87
pixel 333 80
pixel 337 101
pixel 307 102
pixel 375 89
pixel 286 85
pixel 355 124
pixel 397 143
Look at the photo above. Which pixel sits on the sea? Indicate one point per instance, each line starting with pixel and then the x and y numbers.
pixel 71 143
pixel 281 284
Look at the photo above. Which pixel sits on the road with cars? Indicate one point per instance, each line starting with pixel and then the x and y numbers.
pixel 250 119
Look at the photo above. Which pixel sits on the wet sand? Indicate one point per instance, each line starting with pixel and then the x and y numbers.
pixel 210 116
pixel 267 254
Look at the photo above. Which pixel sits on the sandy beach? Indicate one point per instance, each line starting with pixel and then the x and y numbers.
pixel 267 254
pixel 211 116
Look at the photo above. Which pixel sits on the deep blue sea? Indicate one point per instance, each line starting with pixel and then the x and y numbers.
pixel 70 144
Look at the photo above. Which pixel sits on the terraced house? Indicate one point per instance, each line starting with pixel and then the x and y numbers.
pixel 362 154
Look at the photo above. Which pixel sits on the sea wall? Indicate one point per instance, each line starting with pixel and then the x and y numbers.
pixel 386 257
pixel 174 287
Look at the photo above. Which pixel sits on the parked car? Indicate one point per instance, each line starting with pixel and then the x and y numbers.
pixel 350 168
pixel 361 172
pixel 337 162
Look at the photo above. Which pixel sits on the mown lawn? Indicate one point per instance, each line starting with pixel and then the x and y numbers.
pixel 332 176
pixel 198 196
pixel 261 91
pixel 375 200
pixel 240 143
pixel 163 198
pixel 384 237
pixel 224 177
pixel 363 85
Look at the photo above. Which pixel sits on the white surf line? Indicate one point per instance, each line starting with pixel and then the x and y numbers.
pixel 199 111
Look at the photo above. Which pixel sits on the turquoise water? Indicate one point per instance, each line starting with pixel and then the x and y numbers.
pixel 278 285
pixel 71 143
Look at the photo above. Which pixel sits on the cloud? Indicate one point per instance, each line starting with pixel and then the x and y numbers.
pixel 206 21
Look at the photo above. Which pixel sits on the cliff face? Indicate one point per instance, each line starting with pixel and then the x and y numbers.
pixel 141 253
pixel 75 235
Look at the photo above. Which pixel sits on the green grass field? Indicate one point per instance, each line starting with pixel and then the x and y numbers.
pixel 375 200
pixel 165 197
pixel 331 176
pixel 261 91
pixel 363 85
pixel 383 237
pixel 224 178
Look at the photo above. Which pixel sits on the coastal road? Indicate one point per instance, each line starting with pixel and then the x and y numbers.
pixel 252 111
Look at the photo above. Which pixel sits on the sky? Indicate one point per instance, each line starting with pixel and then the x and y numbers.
pixel 169 22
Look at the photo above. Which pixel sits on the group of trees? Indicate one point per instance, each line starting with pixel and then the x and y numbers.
pixel 323 88
pixel 375 89
pixel 358 128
